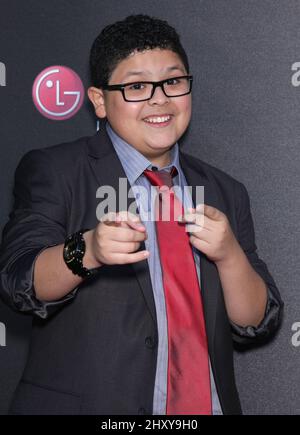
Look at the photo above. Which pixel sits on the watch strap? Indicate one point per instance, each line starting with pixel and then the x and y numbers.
pixel 74 259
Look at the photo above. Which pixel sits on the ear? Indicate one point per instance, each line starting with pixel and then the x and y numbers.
pixel 96 96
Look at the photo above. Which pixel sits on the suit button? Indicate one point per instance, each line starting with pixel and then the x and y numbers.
pixel 142 411
pixel 150 342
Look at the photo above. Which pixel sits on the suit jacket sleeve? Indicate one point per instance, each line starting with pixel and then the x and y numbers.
pixel 38 221
pixel 246 238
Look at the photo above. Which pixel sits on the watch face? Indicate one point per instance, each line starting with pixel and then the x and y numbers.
pixel 73 253
pixel 69 251
pixel 73 250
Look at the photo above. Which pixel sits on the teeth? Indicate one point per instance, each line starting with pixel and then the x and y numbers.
pixel 158 119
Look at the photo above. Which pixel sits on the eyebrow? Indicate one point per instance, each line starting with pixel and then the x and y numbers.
pixel 140 73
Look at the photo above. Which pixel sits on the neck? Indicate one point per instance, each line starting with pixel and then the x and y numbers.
pixel 160 161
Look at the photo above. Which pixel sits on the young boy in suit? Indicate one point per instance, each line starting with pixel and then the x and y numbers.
pixel 133 316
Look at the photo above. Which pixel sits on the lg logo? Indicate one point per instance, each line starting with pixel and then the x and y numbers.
pixel 296 336
pixel 296 76
pixel 2 74
pixel 58 93
pixel 2 335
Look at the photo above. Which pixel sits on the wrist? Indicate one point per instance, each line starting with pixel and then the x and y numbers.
pixel 233 257
pixel 73 253
pixel 89 259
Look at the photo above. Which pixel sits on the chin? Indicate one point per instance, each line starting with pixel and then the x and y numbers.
pixel 156 150
pixel 162 143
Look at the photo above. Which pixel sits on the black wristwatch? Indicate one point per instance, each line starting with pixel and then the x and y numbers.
pixel 73 253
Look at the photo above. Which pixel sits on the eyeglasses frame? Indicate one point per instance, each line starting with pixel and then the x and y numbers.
pixel 158 84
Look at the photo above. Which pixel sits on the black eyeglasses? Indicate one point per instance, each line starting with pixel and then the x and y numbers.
pixel 143 91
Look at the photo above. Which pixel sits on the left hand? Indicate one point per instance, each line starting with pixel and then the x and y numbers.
pixel 210 232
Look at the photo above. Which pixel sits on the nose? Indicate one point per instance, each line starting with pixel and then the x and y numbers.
pixel 159 97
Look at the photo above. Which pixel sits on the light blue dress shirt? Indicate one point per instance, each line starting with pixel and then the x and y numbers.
pixel 134 164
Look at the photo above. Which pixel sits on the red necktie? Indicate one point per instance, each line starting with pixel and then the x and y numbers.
pixel 188 390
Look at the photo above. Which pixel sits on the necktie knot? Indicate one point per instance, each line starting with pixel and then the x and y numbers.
pixel 161 178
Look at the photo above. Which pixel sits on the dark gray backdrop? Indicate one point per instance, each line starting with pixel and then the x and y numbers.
pixel 245 121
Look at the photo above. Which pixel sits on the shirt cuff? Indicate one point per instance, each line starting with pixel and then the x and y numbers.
pixel 267 326
pixel 23 297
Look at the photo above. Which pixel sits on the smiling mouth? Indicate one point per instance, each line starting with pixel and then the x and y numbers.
pixel 158 120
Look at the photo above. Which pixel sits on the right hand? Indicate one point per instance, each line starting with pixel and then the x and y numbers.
pixel 115 240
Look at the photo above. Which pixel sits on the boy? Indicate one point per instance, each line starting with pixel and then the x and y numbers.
pixel 133 316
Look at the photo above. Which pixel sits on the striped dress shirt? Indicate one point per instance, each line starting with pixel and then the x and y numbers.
pixel 134 164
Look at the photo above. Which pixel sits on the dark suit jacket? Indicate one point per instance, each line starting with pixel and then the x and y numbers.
pixel 95 351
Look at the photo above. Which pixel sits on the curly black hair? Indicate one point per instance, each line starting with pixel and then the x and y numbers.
pixel 135 33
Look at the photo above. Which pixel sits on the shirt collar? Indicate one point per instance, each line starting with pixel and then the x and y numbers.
pixel 134 162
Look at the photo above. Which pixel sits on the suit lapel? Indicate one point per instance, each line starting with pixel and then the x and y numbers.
pixel 210 282
pixel 107 170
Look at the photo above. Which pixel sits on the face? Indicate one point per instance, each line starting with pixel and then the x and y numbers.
pixel 131 120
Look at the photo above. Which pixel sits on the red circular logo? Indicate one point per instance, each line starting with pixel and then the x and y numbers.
pixel 58 93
